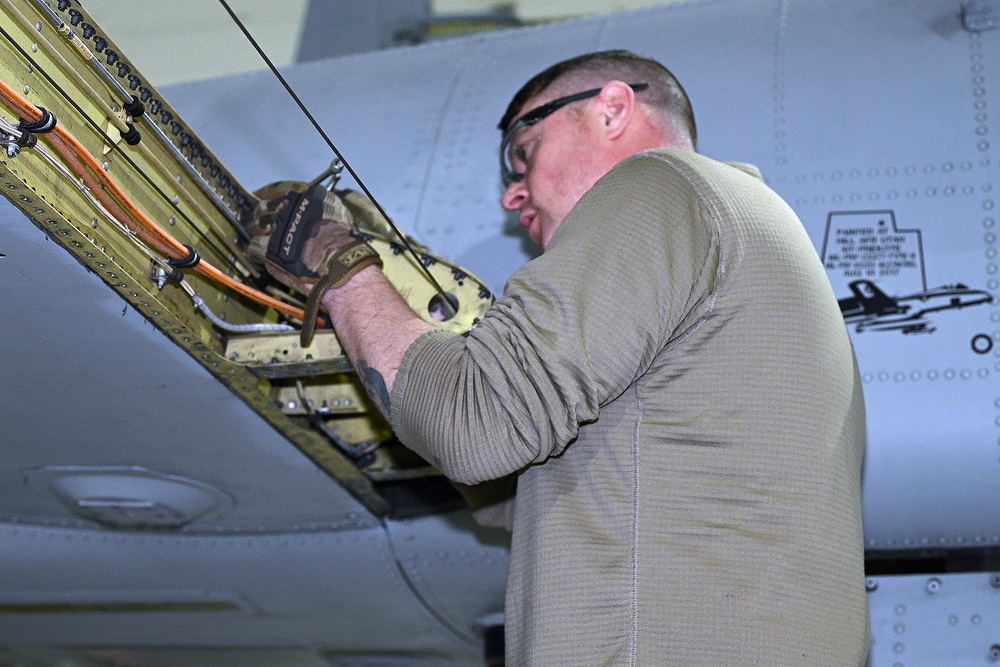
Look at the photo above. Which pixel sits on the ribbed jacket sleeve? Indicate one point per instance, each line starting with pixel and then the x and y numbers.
pixel 574 329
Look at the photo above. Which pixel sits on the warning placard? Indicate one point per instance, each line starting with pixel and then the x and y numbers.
pixel 868 245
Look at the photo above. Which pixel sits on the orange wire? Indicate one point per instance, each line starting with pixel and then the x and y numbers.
pixel 161 239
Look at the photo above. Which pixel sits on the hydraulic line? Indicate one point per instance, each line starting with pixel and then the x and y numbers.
pixel 88 168
pixel 129 101
pixel 128 130
pixel 446 303
pixel 199 303
pixel 120 123
pixel 195 174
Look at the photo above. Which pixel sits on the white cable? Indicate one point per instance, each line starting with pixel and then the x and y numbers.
pixel 199 303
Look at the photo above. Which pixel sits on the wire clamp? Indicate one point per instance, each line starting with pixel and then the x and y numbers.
pixel 28 129
pixel 161 276
pixel 46 123
pixel 188 262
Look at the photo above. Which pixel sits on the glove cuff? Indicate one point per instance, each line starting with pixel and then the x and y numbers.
pixel 341 267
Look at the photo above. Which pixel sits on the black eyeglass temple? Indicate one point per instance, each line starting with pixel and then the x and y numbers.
pixel 509 175
pixel 535 115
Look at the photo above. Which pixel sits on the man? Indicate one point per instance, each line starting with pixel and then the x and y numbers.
pixel 671 382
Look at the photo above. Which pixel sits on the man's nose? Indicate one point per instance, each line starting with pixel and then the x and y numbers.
pixel 515 195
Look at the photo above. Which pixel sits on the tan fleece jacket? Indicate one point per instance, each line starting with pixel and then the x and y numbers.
pixel 674 386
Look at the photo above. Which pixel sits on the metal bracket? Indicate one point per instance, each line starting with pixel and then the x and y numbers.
pixel 275 356
pixel 980 15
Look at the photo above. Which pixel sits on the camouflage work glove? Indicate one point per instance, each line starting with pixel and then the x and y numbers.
pixel 306 237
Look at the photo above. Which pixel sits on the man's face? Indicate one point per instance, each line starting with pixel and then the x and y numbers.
pixel 557 157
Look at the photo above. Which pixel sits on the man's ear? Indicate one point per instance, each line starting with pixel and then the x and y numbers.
pixel 617 106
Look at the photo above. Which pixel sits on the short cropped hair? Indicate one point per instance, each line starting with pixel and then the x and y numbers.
pixel 593 70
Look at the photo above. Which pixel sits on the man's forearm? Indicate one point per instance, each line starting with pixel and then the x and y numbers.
pixel 376 327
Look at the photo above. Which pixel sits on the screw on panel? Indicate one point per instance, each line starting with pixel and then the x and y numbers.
pixel 933 585
pixel 871 584
pixel 995 580
pixel 994 653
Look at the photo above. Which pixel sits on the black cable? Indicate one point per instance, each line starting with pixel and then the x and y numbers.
pixel 336 152
pixel 111 142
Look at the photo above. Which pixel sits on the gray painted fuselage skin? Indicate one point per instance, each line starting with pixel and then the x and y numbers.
pixel 873 120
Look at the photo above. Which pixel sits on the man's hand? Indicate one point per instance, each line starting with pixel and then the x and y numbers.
pixel 307 241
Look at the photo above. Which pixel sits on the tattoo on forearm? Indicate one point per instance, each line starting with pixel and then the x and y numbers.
pixel 375 386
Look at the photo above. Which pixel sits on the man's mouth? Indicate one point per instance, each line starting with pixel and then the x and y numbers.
pixel 527 218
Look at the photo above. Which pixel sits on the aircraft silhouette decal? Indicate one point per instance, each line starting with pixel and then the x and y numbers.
pixel 864 246
pixel 871 309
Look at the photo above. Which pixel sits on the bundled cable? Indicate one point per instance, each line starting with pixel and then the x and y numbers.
pixel 115 201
